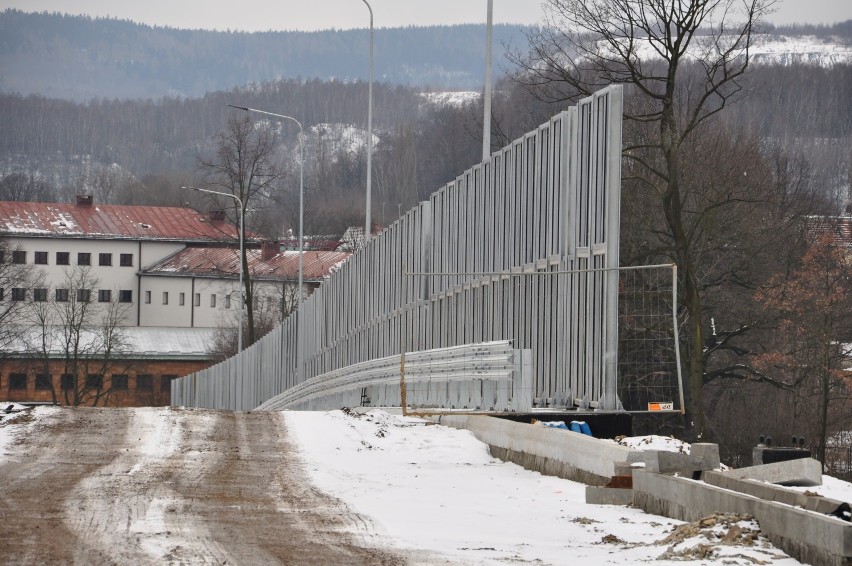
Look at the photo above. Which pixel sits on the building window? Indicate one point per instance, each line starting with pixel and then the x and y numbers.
pixel 227 301
pixel 63 258
pixel 181 299
pixel 40 258
pixel 125 260
pixel 147 297
pixel 17 381
pixel 62 295
pixel 84 295
pixel 119 382
pixel 19 294
pixel 104 296
pixel 166 383
pixel 144 383
pixel 39 295
pixel 213 300
pixel 105 259
pixel 44 381
pixel 197 300
pixel 19 256
pixel 66 382
pixel 125 296
pixel 84 259
pixel 94 381
pixel 165 297
pixel 1 293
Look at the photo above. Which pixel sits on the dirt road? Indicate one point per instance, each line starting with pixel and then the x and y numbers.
pixel 156 486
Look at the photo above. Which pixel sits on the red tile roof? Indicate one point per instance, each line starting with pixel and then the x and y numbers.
pixel 224 262
pixel 105 221
pixel 839 226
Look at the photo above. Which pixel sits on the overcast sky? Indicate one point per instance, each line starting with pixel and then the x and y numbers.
pixel 262 15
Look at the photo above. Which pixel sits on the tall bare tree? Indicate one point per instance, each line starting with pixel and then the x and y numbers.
pixel 14 278
pixel 686 58
pixel 84 332
pixel 244 167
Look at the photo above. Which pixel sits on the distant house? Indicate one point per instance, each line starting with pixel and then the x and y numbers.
pixel 169 269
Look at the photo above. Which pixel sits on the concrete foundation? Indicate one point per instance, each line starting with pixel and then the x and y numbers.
pixel 810 537
pixel 793 522
pixel 608 495
pixel 555 452
pixel 770 492
pixel 804 472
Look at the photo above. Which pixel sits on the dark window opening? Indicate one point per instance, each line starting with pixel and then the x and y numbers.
pixel 62 295
pixel 125 296
pixel 105 259
pixel 40 258
pixel 144 382
pixel 17 381
pixel 19 256
pixel 126 260
pixel 104 296
pixel 84 295
pixel 94 381
pixel 66 382
pixel 44 381
pixel 119 381
pixel 63 258
pixel 84 258
pixel 19 294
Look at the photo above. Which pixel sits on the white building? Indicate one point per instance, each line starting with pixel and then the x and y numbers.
pixel 170 266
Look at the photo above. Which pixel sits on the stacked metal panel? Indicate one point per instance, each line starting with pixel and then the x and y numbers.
pixel 523 247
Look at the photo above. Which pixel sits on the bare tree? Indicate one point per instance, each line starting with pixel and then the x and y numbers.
pixel 16 282
pixel 86 335
pixel 243 167
pixel 686 59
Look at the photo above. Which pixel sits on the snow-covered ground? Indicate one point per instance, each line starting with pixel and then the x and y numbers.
pixel 436 495
pixel 437 490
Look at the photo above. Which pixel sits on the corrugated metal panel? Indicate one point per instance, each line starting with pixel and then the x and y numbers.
pixel 522 247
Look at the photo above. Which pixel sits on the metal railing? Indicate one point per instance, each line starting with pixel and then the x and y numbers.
pixel 489 377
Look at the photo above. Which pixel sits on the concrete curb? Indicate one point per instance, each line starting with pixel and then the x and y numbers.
pixel 560 453
pixel 810 537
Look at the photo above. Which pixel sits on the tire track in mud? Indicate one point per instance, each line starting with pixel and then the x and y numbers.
pixel 259 499
pixel 41 470
pixel 163 485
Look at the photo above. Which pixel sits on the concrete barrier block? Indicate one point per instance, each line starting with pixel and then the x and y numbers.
pixel 801 472
pixel 608 495
pixel 708 454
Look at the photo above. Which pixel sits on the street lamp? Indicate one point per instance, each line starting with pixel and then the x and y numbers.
pixel 486 119
pixel 242 255
pixel 369 131
pixel 301 219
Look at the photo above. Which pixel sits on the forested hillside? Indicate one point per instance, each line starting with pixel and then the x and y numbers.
pixel 81 58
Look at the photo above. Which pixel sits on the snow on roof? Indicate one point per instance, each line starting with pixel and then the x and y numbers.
pixel 224 262
pixel 110 222
pixel 137 341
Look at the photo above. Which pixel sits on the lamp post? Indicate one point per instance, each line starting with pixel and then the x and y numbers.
pixel 301 220
pixel 369 132
pixel 486 119
pixel 242 255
